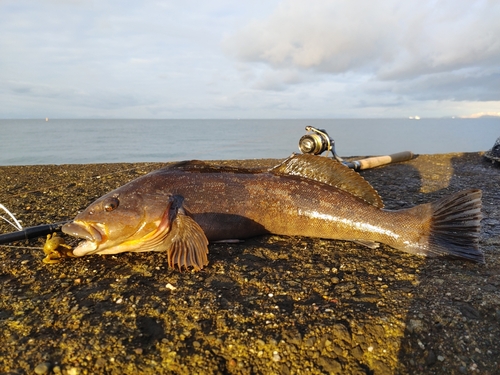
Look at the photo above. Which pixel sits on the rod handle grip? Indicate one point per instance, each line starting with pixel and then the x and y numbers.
pixel 377 161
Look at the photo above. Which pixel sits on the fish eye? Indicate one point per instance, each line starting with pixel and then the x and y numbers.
pixel 111 204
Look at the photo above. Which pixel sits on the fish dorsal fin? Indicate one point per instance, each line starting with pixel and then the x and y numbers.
pixel 330 172
pixel 199 166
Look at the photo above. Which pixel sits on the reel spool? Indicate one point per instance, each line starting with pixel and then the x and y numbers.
pixel 316 142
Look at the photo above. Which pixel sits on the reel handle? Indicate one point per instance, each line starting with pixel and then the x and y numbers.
pixel 377 161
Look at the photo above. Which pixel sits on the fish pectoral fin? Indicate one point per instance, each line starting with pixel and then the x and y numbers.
pixel 188 244
pixel 369 244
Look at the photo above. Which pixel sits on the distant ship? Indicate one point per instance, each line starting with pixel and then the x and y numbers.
pixel 414 117
pixel 46 119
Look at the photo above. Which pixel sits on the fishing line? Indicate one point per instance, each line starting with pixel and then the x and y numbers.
pixel 41 230
pixel 16 223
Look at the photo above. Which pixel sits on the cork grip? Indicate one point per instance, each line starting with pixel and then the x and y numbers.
pixel 377 161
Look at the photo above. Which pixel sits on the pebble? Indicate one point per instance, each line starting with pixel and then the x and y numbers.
pixel 357 353
pixel 342 333
pixel 415 325
pixel 42 368
pixel 170 286
pixel 101 362
pixel 73 371
pixel 260 342
pixel 431 358
pixel 330 365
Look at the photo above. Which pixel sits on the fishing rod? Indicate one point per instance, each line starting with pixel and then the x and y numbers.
pixel 317 141
pixel 31 232
pixel 38 230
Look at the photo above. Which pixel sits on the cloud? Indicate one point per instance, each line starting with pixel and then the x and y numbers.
pixel 43 97
pixel 482 114
pixel 415 46
pixel 279 81
pixel 468 84
pixel 320 35
pixel 255 59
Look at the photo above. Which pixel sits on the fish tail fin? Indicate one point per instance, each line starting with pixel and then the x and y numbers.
pixel 455 226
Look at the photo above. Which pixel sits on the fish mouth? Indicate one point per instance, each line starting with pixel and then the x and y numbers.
pixel 86 231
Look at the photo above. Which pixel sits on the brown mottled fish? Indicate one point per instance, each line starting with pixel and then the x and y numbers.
pixel 179 209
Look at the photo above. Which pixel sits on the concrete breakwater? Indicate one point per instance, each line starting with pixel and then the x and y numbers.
pixel 284 305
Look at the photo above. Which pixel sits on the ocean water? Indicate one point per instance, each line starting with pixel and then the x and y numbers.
pixel 30 142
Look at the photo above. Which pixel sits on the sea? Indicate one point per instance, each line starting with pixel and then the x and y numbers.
pixel 63 141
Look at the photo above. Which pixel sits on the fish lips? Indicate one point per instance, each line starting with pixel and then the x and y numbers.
pixel 85 231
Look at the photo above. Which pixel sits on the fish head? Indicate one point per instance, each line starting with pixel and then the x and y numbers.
pixel 117 222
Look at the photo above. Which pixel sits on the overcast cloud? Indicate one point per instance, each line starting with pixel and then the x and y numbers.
pixel 248 59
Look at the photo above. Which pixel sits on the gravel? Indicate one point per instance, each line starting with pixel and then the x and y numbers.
pixel 283 305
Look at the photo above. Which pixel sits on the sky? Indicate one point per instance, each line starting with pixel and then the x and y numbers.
pixel 249 59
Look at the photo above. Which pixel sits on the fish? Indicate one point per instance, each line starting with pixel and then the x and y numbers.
pixel 181 208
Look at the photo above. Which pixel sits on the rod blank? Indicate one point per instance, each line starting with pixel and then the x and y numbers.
pixel 31 232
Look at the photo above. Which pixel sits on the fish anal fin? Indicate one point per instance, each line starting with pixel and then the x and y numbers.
pixel 369 244
pixel 330 172
pixel 229 240
pixel 188 245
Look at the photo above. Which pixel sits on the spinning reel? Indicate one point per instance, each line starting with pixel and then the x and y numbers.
pixel 316 142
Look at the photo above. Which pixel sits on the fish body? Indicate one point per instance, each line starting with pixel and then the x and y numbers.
pixel 180 209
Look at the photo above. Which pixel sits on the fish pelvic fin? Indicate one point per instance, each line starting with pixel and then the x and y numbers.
pixel 455 226
pixel 187 245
